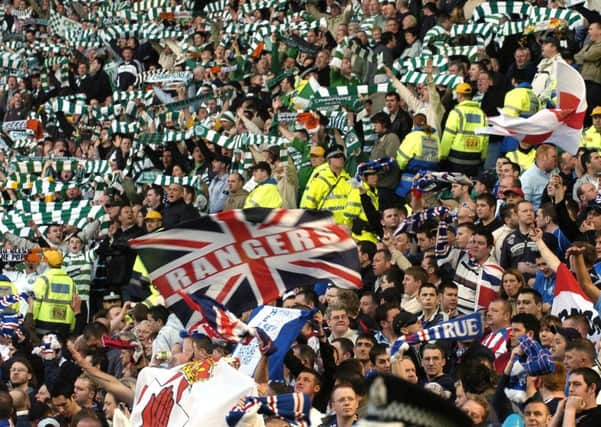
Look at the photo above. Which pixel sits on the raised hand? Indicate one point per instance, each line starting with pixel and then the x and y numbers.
pixel 158 409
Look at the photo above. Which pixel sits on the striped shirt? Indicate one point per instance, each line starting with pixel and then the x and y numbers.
pixel 478 284
pixel 497 342
pixel 79 267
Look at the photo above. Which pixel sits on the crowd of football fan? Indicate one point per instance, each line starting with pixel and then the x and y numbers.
pixel 497 224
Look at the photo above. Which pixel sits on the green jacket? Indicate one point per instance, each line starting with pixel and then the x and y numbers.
pixel 338 79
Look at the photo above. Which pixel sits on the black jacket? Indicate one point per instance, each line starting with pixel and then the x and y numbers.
pixel 98 86
pixel 492 100
pixel 122 257
pixel 178 212
pixel 401 125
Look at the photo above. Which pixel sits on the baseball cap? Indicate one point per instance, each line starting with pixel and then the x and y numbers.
pixel 53 257
pixel 514 190
pixel 596 111
pixel 402 320
pixel 152 214
pixel 48 422
pixel 318 151
pixel 463 88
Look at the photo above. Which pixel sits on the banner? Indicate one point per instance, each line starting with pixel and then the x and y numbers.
pixel 23 125
pixel 171 397
pixel 560 126
pixel 159 76
pixel 178 105
pixel 301 45
pixel 464 328
pixel 282 325
pixel 335 102
pixel 570 299
pixel 245 258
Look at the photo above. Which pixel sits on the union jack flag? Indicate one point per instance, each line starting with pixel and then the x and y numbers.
pixel 218 323
pixel 245 258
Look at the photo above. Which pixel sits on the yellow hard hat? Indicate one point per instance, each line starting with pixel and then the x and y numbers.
pixel 53 257
pixel 596 111
pixel 152 214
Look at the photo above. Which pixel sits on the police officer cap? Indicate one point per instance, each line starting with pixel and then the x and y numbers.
pixel 335 151
pixel 393 401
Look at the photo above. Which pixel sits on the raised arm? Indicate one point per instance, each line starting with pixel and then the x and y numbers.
pixel 403 91
pixel 104 380
pixel 582 274
pixel 550 258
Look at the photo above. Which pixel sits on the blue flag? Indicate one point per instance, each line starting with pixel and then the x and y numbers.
pixel 282 325
pixel 464 328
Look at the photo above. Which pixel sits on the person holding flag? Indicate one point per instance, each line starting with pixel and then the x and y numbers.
pixel 573 295
pixel 477 274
